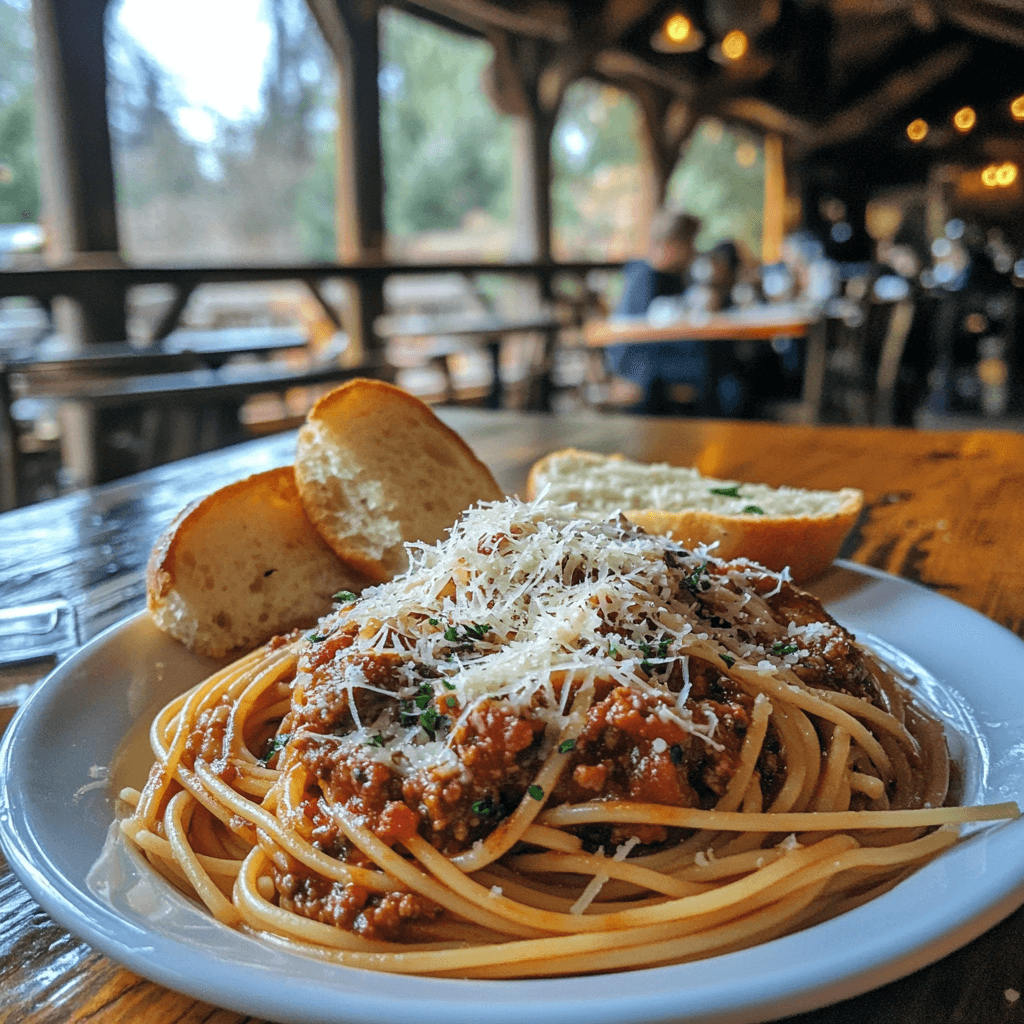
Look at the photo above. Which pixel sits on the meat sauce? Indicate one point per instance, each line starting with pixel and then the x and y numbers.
pixel 630 747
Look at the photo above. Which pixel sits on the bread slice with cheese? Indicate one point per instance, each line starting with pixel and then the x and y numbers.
pixel 242 565
pixel 376 468
pixel 775 526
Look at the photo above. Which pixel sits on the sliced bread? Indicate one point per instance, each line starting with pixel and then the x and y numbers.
pixel 242 565
pixel 775 526
pixel 376 468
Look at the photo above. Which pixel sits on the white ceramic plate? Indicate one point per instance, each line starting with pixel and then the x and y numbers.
pixel 56 809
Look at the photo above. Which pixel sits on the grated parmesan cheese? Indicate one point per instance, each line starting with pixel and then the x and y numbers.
pixel 522 599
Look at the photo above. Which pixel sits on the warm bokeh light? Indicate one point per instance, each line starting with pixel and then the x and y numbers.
pixel 965 119
pixel 678 28
pixel 1006 174
pixel 1000 175
pixel 1017 108
pixel 917 129
pixel 734 45
pixel 746 154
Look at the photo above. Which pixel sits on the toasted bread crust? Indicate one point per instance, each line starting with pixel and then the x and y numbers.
pixel 376 468
pixel 242 565
pixel 806 543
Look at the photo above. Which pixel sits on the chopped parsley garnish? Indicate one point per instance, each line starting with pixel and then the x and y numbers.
pixel 753 510
pixel 693 582
pixel 431 721
pixel 277 744
pixel 470 634
pixel 728 659
pixel 536 792
pixel 434 622
pixel 316 637
pixel 663 646
pixel 375 741
pixel 613 650
pixel 646 666
pixel 447 685
pixel 783 648
pixel 727 492
pixel 565 746
pixel 345 596
pixel 450 701
pixel 483 807
pixel 424 696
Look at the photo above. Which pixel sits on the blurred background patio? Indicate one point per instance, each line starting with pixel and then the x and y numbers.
pixel 206 208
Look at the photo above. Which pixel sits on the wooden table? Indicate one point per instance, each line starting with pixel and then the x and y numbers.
pixel 762 323
pixel 943 509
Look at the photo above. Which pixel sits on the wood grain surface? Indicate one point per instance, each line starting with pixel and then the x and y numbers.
pixel 945 510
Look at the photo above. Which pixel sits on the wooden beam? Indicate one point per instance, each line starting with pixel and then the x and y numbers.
pixel 1007 28
pixel 352 30
pixel 619 16
pixel 897 92
pixel 539 19
pixel 618 64
pixel 765 116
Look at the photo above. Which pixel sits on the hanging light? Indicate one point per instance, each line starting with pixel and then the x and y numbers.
pixel 965 119
pixel 1006 174
pixel 677 34
pixel 917 129
pixel 1017 108
pixel 735 44
pixel 988 176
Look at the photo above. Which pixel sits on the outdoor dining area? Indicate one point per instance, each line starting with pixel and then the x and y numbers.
pixel 798 262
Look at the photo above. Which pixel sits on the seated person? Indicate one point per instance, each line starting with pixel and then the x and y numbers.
pixel 657 366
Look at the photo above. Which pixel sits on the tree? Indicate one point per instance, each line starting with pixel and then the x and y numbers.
pixel 19 164
pixel 446 150
pixel 721 180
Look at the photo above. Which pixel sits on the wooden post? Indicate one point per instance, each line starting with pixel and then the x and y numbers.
pixel 79 206
pixel 79 211
pixel 773 223
pixel 352 30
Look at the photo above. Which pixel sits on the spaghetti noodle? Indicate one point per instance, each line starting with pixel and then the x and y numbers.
pixel 553 746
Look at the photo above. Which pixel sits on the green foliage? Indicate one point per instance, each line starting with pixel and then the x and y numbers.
pixel 19 170
pixel 710 182
pixel 596 164
pixel 446 151
pixel 19 167
pixel 315 205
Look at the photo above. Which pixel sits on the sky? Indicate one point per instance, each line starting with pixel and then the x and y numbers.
pixel 214 48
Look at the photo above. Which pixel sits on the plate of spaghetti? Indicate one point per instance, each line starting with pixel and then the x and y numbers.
pixel 554 751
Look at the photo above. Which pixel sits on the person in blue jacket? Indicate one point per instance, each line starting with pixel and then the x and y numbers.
pixel 657 366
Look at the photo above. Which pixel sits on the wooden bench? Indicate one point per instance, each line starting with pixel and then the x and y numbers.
pixel 175 414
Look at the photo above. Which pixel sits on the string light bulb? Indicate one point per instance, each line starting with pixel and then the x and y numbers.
pixel 735 44
pixel 1006 174
pixel 1000 175
pixel 678 28
pixel 917 129
pixel 677 34
pixel 965 119
pixel 1017 108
